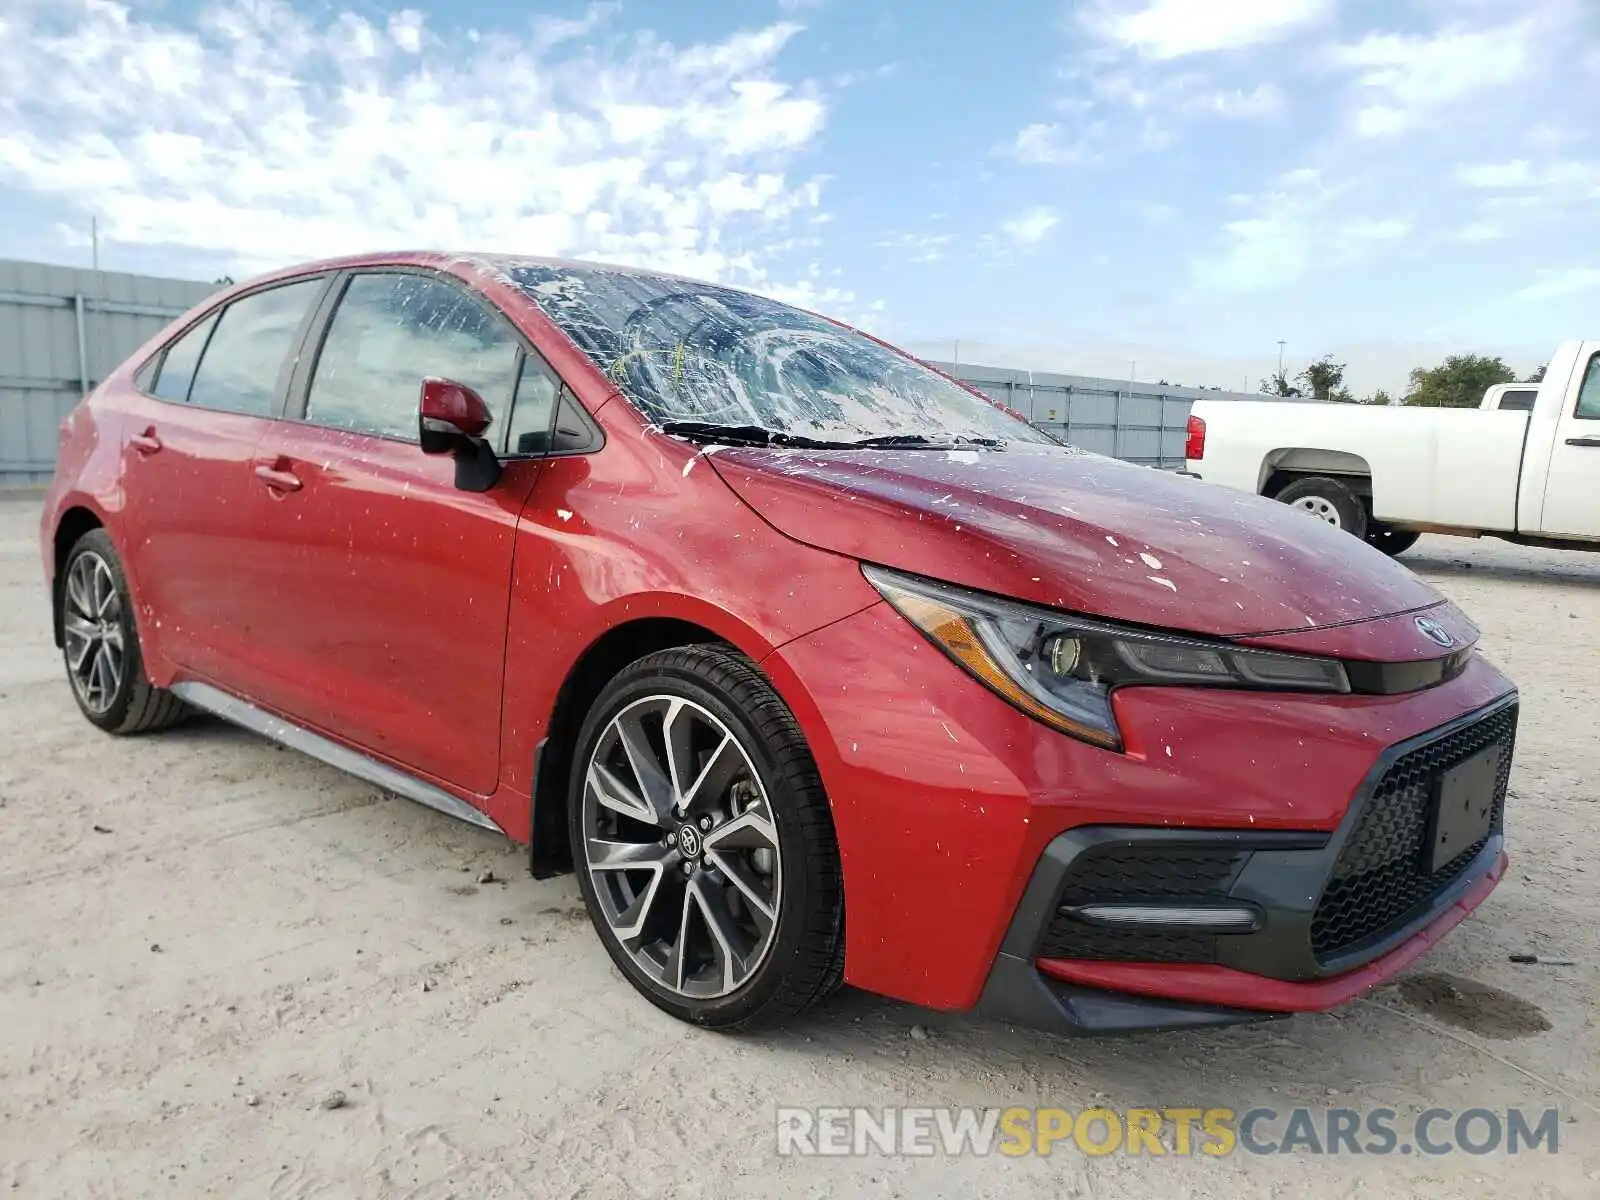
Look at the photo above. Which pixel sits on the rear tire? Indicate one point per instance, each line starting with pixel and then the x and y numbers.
pixel 1390 540
pixel 1329 501
pixel 726 912
pixel 100 644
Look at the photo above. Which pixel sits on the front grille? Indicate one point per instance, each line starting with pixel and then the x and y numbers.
pixel 1131 872
pixel 1380 881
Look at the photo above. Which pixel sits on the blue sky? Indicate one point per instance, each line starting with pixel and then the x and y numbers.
pixel 1062 186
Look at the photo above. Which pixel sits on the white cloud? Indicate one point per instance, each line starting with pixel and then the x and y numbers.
pixel 1305 223
pixel 1564 281
pixel 1046 144
pixel 1520 173
pixel 1031 227
pixel 260 135
pixel 1263 100
pixel 407 30
pixel 918 247
pixel 1480 231
pixel 1400 79
pixel 1167 29
pixel 1378 229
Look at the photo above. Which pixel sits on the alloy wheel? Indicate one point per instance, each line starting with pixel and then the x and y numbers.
pixel 681 846
pixel 92 628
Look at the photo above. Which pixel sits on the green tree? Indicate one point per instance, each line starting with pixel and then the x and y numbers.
pixel 1277 384
pixel 1325 378
pixel 1458 382
pixel 1379 397
pixel 1537 376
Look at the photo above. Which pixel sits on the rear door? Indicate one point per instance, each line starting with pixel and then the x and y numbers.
pixel 1572 489
pixel 391 586
pixel 191 434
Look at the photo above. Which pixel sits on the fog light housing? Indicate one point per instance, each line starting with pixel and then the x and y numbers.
pixel 1213 918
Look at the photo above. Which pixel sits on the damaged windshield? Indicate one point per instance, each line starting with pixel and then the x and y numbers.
pixel 698 355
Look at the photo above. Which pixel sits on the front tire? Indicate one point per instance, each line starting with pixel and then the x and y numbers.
pixel 1329 501
pixel 100 644
pixel 703 841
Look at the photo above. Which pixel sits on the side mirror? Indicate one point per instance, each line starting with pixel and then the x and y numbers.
pixel 452 419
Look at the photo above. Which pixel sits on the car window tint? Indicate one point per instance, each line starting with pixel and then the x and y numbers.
pixel 177 368
pixel 392 331
pixel 1517 401
pixel 534 408
pixel 1589 397
pixel 243 361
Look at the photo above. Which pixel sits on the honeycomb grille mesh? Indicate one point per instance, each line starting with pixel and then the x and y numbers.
pixel 1380 881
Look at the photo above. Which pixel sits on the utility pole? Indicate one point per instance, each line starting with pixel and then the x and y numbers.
pixel 1280 358
pixel 94 241
pixel 1133 371
pixel 956 361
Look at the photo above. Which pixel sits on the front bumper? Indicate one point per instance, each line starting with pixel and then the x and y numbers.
pixel 946 801
pixel 1336 914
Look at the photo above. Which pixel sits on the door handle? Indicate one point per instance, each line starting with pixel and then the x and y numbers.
pixel 1584 441
pixel 147 442
pixel 278 481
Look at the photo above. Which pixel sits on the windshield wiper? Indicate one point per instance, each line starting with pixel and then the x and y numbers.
pixel 746 435
pixel 917 441
pixel 760 435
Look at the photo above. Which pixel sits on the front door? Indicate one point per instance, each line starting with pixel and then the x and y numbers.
pixel 393 585
pixel 1572 489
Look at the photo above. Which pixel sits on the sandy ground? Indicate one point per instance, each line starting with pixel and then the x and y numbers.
pixel 203 936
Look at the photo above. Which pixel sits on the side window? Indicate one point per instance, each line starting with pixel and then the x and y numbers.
pixel 246 356
pixel 177 368
pixel 391 331
pixel 534 410
pixel 1589 397
pixel 1517 401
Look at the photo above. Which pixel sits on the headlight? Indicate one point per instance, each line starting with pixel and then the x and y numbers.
pixel 1062 669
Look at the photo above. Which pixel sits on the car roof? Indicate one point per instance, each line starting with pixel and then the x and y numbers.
pixel 494 262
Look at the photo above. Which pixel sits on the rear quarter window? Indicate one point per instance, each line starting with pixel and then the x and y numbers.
pixel 175 372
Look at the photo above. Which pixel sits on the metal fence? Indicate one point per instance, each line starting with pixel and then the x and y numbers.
pixel 1140 422
pixel 61 331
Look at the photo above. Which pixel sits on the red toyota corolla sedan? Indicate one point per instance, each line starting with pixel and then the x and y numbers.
pixel 814 664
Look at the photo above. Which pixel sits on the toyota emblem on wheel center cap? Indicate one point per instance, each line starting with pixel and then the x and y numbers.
pixel 1435 632
pixel 689 841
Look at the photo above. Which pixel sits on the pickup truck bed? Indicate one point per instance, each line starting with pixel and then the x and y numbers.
pixel 1388 473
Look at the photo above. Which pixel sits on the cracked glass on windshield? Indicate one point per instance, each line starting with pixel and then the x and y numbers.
pixel 686 351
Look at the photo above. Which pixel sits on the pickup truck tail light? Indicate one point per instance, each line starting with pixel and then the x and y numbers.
pixel 1194 447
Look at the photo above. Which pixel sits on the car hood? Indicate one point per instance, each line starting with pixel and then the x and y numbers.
pixel 1080 532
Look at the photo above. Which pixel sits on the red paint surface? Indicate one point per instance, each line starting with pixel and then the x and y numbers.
pixel 342 581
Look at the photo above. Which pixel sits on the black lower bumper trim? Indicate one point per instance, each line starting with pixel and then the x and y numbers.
pixel 1019 993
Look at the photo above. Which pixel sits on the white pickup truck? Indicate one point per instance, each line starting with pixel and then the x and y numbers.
pixel 1524 466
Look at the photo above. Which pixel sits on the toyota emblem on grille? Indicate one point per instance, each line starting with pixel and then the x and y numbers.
pixel 1435 632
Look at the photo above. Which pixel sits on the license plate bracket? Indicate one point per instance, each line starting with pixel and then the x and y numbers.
pixel 1463 808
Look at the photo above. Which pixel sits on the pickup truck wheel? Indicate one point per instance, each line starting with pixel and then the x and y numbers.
pixel 1327 500
pixel 1390 540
